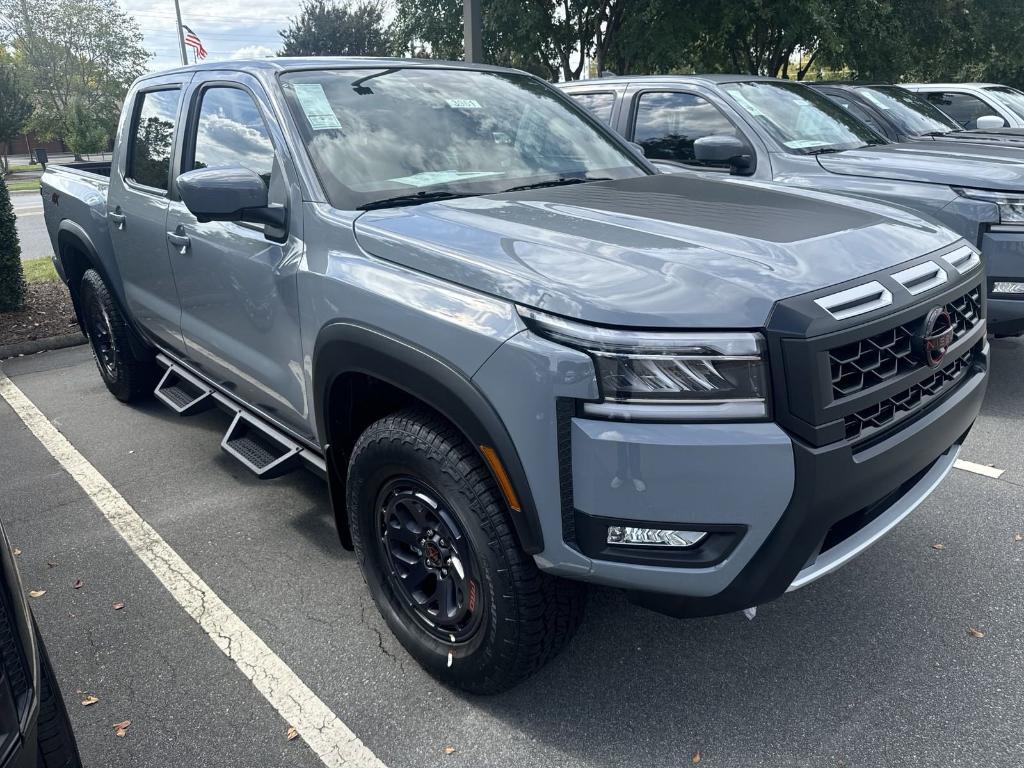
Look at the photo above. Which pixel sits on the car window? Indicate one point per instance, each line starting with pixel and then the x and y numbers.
pixel 231 131
pixel 860 112
pixel 964 108
pixel 667 125
pixel 152 138
pixel 599 103
pixel 1010 98
pixel 914 116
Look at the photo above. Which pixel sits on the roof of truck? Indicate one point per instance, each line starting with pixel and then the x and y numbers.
pixel 290 63
pixel 706 79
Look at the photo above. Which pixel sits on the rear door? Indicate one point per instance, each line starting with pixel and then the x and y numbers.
pixel 137 206
pixel 237 281
pixel 963 107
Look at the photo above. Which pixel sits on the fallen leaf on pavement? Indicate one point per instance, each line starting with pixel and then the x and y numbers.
pixel 89 700
pixel 449 750
pixel 292 733
pixel 17 551
pixel 118 606
pixel 78 584
pixel 52 565
pixel 938 546
pixel 121 729
pixel 1018 537
pixel 975 632
pixel 37 593
pixel 696 757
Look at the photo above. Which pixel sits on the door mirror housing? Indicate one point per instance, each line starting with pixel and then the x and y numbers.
pixel 988 122
pixel 725 150
pixel 230 193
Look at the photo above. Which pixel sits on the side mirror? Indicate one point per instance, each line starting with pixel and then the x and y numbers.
pixel 229 193
pixel 725 150
pixel 988 122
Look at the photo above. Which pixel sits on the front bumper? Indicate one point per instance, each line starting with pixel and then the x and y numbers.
pixel 1003 251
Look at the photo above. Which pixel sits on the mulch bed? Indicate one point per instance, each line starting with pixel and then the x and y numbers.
pixel 47 313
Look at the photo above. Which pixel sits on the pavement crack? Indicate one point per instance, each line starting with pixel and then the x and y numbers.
pixel 380 638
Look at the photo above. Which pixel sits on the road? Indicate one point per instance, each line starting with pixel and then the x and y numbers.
pixel 871 666
pixel 28 208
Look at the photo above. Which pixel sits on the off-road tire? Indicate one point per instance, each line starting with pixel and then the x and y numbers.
pixel 129 378
pixel 54 737
pixel 528 616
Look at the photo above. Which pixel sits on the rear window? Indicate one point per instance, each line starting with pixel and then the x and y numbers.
pixel 152 138
pixel 600 104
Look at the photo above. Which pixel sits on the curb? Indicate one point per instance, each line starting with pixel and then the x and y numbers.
pixel 41 345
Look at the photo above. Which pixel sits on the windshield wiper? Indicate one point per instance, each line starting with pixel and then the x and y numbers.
pixel 554 183
pixel 413 199
pixel 937 134
pixel 826 150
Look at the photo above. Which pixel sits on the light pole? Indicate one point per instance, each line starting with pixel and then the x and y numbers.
pixel 471 27
pixel 181 35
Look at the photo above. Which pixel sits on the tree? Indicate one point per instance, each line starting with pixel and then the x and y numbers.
pixel 325 28
pixel 68 52
pixel 15 109
pixel 12 277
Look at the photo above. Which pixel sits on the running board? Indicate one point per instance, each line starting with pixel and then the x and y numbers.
pixel 260 448
pixel 183 393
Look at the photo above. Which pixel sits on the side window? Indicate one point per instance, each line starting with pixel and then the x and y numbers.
pixel 230 131
pixel 667 124
pixel 152 138
pixel 962 107
pixel 600 104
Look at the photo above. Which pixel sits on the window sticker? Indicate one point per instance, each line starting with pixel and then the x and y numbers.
pixel 429 178
pixel 317 109
pixel 805 143
pixel 464 104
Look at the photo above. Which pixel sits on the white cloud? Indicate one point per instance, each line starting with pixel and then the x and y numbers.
pixel 253 52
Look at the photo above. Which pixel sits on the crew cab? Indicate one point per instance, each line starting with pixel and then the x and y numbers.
pixel 777 130
pixel 975 105
pixel 521 358
pixel 901 115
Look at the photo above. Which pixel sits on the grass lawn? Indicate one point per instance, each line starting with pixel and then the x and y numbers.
pixel 23 186
pixel 19 168
pixel 39 271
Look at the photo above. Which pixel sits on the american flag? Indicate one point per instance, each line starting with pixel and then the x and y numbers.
pixel 192 41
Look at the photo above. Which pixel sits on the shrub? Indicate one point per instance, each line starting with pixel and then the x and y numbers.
pixel 12 278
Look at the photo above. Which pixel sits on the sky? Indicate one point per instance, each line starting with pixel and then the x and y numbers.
pixel 228 28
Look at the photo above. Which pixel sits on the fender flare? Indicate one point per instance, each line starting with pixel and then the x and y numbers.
pixel 344 348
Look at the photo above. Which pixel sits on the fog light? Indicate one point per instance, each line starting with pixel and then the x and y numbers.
pixel 653 537
pixel 1000 287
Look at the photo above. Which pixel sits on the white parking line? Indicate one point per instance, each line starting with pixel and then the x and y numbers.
pixel 979 469
pixel 335 744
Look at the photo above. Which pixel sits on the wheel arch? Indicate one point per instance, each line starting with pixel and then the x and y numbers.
pixel 348 355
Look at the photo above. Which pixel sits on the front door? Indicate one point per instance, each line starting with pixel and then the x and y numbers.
pixel 237 282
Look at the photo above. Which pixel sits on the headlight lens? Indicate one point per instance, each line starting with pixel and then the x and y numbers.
pixel 1011 207
pixel 707 375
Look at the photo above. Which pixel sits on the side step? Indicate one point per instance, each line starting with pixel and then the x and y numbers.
pixel 262 449
pixel 183 393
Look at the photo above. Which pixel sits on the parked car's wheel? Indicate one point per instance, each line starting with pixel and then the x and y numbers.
pixel 127 377
pixel 55 739
pixel 441 559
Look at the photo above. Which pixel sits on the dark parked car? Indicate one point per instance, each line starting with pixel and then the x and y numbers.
pixel 34 727
pixel 781 131
pixel 900 115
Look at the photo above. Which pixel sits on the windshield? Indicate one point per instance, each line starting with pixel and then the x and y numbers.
pixel 800 119
pixel 913 115
pixel 426 133
pixel 1010 98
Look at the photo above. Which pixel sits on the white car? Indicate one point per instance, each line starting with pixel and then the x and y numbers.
pixel 975 105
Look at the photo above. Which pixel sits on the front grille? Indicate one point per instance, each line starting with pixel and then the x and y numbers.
pixel 880 358
pixel 879 417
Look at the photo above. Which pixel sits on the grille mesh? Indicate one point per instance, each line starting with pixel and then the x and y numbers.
pixel 885 356
pixel 884 414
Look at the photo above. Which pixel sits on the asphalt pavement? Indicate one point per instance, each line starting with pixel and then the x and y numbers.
pixel 871 666
pixel 28 211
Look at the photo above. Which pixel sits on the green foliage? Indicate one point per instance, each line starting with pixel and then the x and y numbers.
pixel 12 279
pixel 15 108
pixel 39 271
pixel 325 28
pixel 77 59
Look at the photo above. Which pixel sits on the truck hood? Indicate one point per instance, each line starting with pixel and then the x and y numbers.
pixel 663 251
pixel 985 166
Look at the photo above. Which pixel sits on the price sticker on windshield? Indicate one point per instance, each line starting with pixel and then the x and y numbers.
pixel 464 104
pixel 316 107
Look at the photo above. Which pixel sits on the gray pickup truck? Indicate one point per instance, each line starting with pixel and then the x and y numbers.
pixel 782 131
pixel 521 358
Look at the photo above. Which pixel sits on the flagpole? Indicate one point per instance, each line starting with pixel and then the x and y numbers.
pixel 181 35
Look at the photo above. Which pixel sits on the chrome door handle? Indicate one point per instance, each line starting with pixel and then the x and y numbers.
pixel 119 219
pixel 181 242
